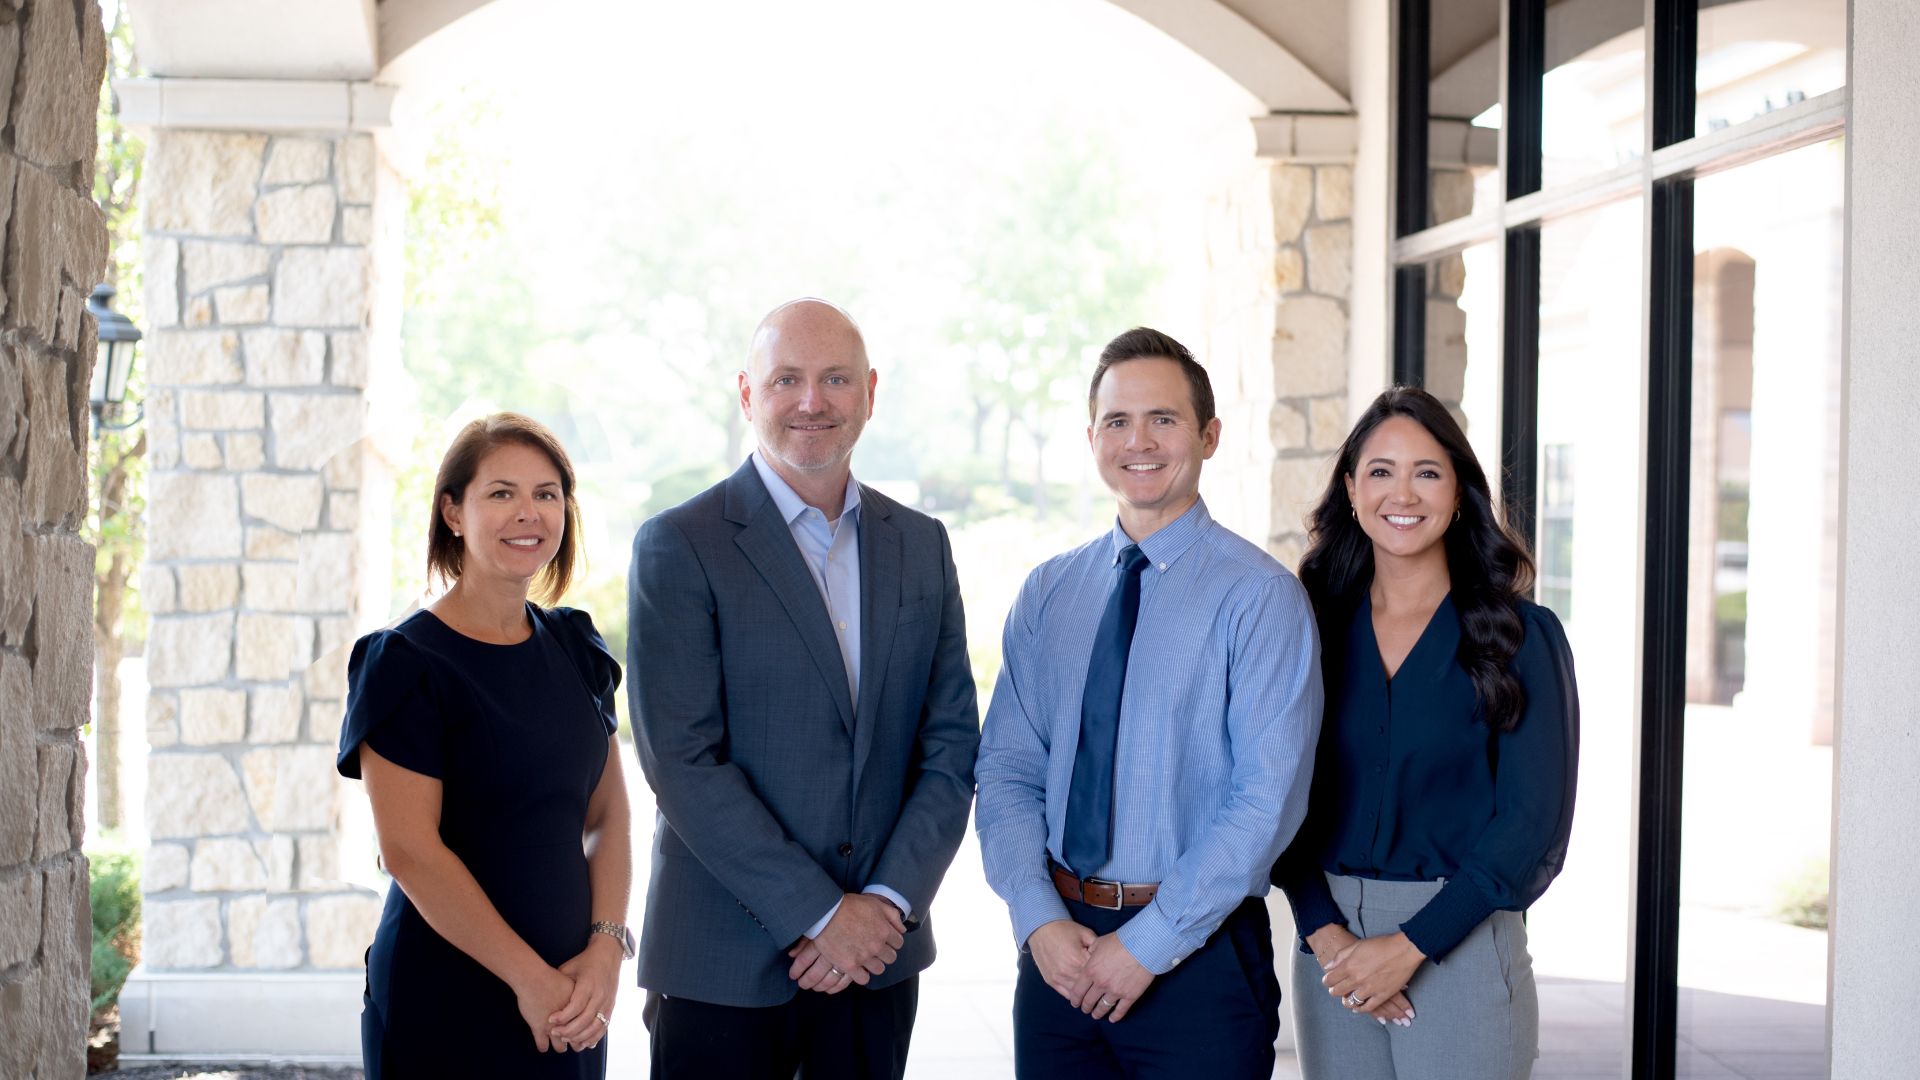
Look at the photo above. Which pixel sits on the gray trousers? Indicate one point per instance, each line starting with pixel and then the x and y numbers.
pixel 1477 1015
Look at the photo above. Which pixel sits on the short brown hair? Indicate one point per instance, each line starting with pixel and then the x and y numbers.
pixel 446 553
pixel 1143 342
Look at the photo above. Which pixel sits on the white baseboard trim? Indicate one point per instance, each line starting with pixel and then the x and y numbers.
pixel 290 1016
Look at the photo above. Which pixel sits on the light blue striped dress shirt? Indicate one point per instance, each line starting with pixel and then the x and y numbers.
pixel 1218 722
pixel 831 551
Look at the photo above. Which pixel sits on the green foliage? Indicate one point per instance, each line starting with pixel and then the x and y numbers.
pixel 1052 278
pixel 118 512
pixel 113 887
pixel 1803 898
pixel 1732 511
pixel 1730 609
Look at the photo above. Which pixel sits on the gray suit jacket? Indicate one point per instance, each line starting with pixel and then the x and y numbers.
pixel 775 794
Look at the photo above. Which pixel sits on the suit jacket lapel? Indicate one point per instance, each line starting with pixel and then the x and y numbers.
pixel 879 611
pixel 768 544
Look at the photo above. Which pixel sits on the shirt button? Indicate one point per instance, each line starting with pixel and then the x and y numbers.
pixel 1163 568
pixel 843 626
pixel 1376 770
pixel 846 850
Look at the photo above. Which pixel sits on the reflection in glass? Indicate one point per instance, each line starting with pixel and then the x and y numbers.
pixel 1595 98
pixel 1463 105
pixel 1463 346
pixel 1760 55
pixel 1587 542
pixel 1762 553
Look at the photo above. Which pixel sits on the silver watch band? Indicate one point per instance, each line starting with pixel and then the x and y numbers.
pixel 619 933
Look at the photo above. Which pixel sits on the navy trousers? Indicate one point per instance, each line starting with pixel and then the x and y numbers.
pixel 856 1034
pixel 1216 1014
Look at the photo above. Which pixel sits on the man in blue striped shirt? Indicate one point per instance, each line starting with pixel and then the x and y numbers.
pixel 1146 756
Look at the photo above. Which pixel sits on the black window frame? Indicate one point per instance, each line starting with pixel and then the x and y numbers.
pixel 1674 157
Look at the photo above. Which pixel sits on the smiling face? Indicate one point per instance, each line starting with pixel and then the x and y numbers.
pixel 1149 443
pixel 512 517
pixel 807 389
pixel 1404 490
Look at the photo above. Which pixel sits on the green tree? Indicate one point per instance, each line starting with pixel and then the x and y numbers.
pixel 1052 279
pixel 120 454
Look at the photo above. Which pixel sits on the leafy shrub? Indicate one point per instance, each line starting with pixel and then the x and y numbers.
pixel 114 888
pixel 1803 897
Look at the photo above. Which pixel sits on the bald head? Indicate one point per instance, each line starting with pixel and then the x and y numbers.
pixel 808 325
pixel 808 391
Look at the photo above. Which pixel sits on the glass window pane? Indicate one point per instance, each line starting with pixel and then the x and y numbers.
pixel 1589 469
pixel 1586 544
pixel 1760 55
pixel 1462 358
pixel 1594 101
pixel 1463 105
pixel 1762 552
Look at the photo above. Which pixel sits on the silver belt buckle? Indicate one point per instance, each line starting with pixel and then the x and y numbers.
pixel 1119 894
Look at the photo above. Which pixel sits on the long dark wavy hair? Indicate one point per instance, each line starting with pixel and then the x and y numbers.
pixel 1488 563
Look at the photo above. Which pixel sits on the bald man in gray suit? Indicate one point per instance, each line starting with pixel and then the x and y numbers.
pixel 804 710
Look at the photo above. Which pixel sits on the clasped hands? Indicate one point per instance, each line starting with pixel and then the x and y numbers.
pixel 863 937
pixel 1094 972
pixel 1368 975
pixel 566 1008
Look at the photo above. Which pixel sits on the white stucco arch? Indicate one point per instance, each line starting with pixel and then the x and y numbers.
pixel 1288 60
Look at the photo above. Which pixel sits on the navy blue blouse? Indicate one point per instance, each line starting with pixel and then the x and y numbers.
pixel 1411 785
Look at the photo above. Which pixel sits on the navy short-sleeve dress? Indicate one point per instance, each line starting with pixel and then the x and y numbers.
pixel 517 735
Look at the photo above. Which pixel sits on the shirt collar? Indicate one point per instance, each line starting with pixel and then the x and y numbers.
pixel 1172 540
pixel 789 501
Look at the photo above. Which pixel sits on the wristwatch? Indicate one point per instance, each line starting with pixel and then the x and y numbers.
pixel 617 932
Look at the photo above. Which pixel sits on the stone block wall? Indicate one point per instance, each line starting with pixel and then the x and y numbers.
pixel 52 57
pixel 1280 248
pixel 1313 272
pixel 259 283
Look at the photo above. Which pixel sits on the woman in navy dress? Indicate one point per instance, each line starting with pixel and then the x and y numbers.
pixel 483 727
pixel 1443 788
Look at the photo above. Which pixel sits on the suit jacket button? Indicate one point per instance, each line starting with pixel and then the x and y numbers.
pixel 846 850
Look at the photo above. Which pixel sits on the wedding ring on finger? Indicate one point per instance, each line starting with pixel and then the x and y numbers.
pixel 602 1017
pixel 1353 1000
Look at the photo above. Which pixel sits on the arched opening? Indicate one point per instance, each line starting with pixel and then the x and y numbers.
pixel 1000 198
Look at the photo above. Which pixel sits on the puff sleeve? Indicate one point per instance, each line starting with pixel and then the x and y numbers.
pixel 1537 762
pixel 598 668
pixel 391 708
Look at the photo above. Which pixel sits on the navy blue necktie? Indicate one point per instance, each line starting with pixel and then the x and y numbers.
pixel 1089 840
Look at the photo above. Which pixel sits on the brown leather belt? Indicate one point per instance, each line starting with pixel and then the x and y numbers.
pixel 1112 895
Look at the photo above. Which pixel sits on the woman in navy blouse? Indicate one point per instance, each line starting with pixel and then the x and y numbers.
pixel 1443 788
pixel 483 726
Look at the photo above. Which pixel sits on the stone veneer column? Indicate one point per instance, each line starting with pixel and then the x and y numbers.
pixel 1280 247
pixel 1313 268
pixel 52 56
pixel 259 289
